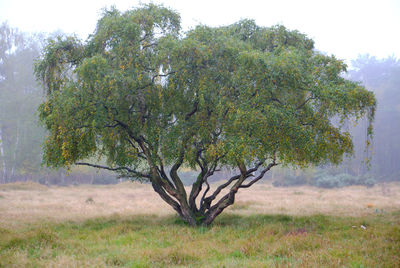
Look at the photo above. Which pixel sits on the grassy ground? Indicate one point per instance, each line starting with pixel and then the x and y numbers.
pixel 106 226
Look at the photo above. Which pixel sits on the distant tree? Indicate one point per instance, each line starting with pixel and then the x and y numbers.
pixel 20 136
pixel 383 77
pixel 150 100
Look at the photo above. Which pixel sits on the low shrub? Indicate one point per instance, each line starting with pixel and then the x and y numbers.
pixel 342 180
pixel 324 179
pixel 326 182
pixel 367 180
pixel 291 180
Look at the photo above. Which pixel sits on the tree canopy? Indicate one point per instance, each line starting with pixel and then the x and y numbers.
pixel 149 100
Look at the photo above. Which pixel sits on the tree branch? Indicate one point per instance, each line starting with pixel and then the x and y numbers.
pixel 259 177
pixel 305 102
pixel 207 201
pixel 161 192
pixel 195 108
pixel 197 185
pixel 175 178
pixel 134 172
pixel 149 45
pixel 205 180
pixel 160 75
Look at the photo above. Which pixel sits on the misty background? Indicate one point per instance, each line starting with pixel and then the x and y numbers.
pixel 21 136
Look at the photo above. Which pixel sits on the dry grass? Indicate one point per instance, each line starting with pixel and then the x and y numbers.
pixel 57 204
pixel 114 226
pixel 307 200
pixel 32 203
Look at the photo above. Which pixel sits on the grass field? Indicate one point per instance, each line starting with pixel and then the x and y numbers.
pixel 128 225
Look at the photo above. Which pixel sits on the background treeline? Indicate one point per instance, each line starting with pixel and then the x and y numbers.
pixel 21 136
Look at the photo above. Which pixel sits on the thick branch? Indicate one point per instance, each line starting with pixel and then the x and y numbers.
pixel 167 198
pixel 259 177
pixel 155 175
pixel 174 175
pixel 163 174
pixel 204 194
pixel 195 108
pixel 196 189
pixel 205 180
pixel 227 199
pixel 197 185
pixel 206 203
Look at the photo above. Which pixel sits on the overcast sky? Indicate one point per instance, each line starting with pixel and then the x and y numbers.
pixel 345 28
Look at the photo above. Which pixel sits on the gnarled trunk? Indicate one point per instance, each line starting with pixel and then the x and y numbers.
pixel 171 189
pixel 206 213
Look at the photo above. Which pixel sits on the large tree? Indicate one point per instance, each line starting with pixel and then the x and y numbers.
pixel 150 100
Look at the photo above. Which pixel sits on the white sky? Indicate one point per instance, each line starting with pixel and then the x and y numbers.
pixel 345 28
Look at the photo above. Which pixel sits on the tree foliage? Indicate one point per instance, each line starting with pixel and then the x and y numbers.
pixel 151 100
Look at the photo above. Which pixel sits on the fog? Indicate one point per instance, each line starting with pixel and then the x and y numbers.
pixel 342 28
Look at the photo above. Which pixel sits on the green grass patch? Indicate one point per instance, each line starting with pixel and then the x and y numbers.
pixel 232 241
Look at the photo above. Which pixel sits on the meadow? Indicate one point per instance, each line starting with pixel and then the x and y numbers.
pixel 128 225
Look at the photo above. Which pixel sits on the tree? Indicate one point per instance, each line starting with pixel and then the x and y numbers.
pixel 20 137
pixel 149 100
pixel 383 77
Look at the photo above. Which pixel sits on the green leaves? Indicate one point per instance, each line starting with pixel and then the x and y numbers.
pixel 233 94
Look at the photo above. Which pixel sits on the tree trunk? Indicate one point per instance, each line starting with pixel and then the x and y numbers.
pixel 4 173
pixel 15 153
pixel 198 218
pixel 188 217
